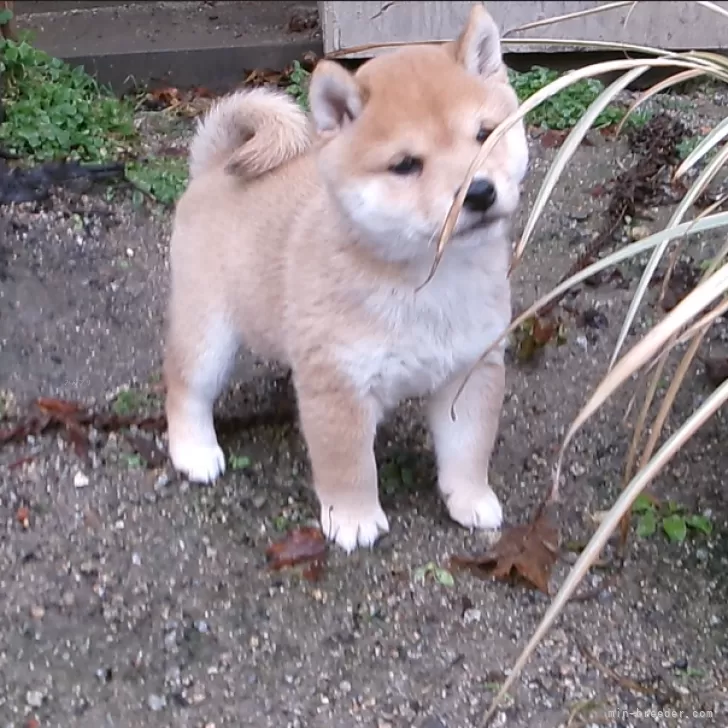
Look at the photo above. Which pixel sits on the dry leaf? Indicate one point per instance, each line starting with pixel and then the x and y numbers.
pixel 534 334
pixel 263 77
pixel 164 97
pixel 528 551
pixel 22 516
pixel 299 546
pixel 58 407
pixel 67 415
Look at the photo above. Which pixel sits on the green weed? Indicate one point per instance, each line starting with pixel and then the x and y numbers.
pixel 53 111
pixel 298 84
pixel 437 573
pixel 563 111
pixel 56 112
pixel 239 462
pixel 670 517
pixel 131 402
pixel 163 179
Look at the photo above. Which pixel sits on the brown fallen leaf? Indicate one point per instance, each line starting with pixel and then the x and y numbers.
pixel 298 546
pixel 161 98
pixel 528 552
pixel 67 415
pixel 535 333
pixel 263 77
pixel 58 407
pixel 22 516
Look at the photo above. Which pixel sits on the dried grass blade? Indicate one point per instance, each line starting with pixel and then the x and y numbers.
pixel 710 222
pixel 698 299
pixel 712 139
pixel 597 542
pixel 658 88
pixel 692 194
pixel 714 7
pixel 567 151
pixel 569 16
pixel 551 89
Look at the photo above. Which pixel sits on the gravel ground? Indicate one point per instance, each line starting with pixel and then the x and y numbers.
pixel 132 599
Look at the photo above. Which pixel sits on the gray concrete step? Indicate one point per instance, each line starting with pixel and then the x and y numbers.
pixel 208 44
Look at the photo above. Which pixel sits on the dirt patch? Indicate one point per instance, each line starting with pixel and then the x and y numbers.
pixel 133 599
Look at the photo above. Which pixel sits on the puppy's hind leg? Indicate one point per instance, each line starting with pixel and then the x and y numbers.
pixel 197 363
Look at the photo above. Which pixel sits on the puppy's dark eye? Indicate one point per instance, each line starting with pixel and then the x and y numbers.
pixel 407 165
pixel 482 135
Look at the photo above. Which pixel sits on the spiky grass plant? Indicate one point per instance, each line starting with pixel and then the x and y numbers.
pixel 686 324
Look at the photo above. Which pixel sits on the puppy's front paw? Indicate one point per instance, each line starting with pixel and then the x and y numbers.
pixel 475 507
pixel 349 529
pixel 200 463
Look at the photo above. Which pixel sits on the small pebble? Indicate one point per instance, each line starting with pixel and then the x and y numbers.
pixel 34 698
pixel 157 703
pixel 432 722
pixel 37 612
pixel 80 480
pixel 640 232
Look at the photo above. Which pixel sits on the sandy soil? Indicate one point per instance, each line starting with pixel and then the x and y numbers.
pixel 133 599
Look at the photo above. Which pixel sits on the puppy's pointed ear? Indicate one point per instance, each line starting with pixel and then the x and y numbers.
pixel 479 48
pixel 334 96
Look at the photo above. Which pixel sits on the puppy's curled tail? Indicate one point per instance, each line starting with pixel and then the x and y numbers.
pixel 249 132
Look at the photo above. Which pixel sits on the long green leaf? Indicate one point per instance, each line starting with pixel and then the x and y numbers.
pixel 597 542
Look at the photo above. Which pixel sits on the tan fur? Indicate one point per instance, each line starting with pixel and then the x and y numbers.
pixel 314 259
pixel 249 132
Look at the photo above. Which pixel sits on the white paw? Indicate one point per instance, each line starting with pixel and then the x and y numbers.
pixel 350 530
pixel 200 463
pixel 475 507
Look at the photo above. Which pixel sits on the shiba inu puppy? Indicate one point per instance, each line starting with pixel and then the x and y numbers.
pixel 307 240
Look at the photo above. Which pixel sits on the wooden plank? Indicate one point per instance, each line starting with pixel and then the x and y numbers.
pixel 673 25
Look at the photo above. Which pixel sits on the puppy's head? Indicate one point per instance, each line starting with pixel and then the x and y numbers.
pixel 400 135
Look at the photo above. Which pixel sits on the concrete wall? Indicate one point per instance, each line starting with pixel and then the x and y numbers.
pixel 674 25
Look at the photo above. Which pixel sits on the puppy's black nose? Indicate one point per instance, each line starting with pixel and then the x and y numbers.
pixel 481 195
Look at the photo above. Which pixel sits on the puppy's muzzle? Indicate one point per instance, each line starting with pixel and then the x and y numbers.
pixel 481 196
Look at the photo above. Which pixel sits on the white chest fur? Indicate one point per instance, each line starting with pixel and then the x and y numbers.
pixel 426 337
